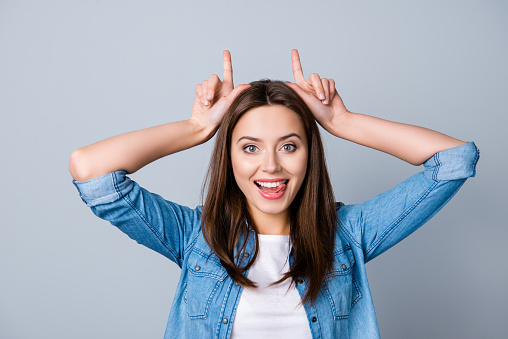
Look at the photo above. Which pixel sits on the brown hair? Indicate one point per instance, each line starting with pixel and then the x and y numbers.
pixel 312 214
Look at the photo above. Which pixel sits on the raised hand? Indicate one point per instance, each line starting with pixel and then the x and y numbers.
pixel 318 93
pixel 213 96
pixel 133 150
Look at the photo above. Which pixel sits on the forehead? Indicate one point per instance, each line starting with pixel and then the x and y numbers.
pixel 269 122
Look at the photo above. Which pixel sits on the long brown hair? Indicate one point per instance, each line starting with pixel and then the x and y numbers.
pixel 312 214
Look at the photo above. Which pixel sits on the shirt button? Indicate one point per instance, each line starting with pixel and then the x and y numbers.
pixel 314 319
pixel 300 281
pixel 246 254
pixel 225 320
pixel 197 268
pixel 344 266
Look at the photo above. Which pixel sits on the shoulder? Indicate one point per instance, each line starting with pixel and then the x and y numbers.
pixel 348 224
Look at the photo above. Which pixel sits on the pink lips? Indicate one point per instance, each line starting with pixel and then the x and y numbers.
pixel 272 196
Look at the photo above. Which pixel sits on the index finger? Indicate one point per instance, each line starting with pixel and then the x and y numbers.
pixel 297 67
pixel 227 68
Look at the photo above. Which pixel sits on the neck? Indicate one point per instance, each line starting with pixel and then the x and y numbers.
pixel 276 224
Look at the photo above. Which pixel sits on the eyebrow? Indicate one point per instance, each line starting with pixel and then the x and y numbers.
pixel 280 139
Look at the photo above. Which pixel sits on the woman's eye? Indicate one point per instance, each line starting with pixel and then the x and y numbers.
pixel 250 148
pixel 288 148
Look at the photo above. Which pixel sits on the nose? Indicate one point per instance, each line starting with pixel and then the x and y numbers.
pixel 270 162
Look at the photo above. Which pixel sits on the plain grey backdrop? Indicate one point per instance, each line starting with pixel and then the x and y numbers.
pixel 75 72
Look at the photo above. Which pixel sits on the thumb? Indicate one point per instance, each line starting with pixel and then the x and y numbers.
pixel 236 91
pixel 223 103
pixel 306 97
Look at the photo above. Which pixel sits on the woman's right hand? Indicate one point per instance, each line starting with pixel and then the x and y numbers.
pixel 133 150
pixel 213 97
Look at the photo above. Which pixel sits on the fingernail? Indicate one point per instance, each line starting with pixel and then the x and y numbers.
pixel 209 96
pixel 322 96
pixel 206 102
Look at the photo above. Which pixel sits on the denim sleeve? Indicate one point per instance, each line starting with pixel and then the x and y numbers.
pixel 161 225
pixel 380 223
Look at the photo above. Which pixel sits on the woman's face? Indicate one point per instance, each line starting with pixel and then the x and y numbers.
pixel 269 157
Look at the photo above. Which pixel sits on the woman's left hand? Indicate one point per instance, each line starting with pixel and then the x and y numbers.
pixel 318 93
pixel 410 143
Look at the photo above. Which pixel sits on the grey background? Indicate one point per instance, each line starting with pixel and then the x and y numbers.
pixel 75 72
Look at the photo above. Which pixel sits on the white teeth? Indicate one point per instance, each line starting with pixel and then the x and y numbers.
pixel 270 184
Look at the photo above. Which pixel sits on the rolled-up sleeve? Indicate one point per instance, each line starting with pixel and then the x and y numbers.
pixel 454 163
pixel 381 222
pixel 152 221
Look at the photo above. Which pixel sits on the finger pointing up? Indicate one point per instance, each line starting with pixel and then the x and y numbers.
pixel 297 67
pixel 227 72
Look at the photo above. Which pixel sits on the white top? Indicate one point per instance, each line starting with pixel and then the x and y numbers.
pixel 270 312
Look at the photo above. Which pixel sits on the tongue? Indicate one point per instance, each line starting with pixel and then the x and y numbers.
pixel 273 189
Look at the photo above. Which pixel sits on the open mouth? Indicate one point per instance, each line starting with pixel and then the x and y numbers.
pixel 272 187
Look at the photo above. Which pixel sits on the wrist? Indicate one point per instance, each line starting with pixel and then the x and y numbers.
pixel 338 124
pixel 204 132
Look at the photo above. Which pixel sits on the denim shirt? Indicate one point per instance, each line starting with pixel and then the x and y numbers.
pixel 206 298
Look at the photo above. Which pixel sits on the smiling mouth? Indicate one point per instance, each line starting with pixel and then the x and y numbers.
pixel 272 187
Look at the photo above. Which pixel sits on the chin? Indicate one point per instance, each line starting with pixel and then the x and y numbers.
pixel 272 207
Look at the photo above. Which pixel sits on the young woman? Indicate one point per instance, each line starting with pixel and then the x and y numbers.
pixel 271 254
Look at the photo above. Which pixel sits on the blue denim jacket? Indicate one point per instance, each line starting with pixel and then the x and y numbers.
pixel 206 298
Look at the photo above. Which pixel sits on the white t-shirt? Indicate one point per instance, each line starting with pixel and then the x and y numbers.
pixel 270 312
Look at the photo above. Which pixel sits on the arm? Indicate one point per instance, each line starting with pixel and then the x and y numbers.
pixel 100 172
pixel 410 143
pixel 131 151
pixel 381 222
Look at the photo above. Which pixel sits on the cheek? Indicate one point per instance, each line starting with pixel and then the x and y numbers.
pixel 298 167
pixel 242 170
